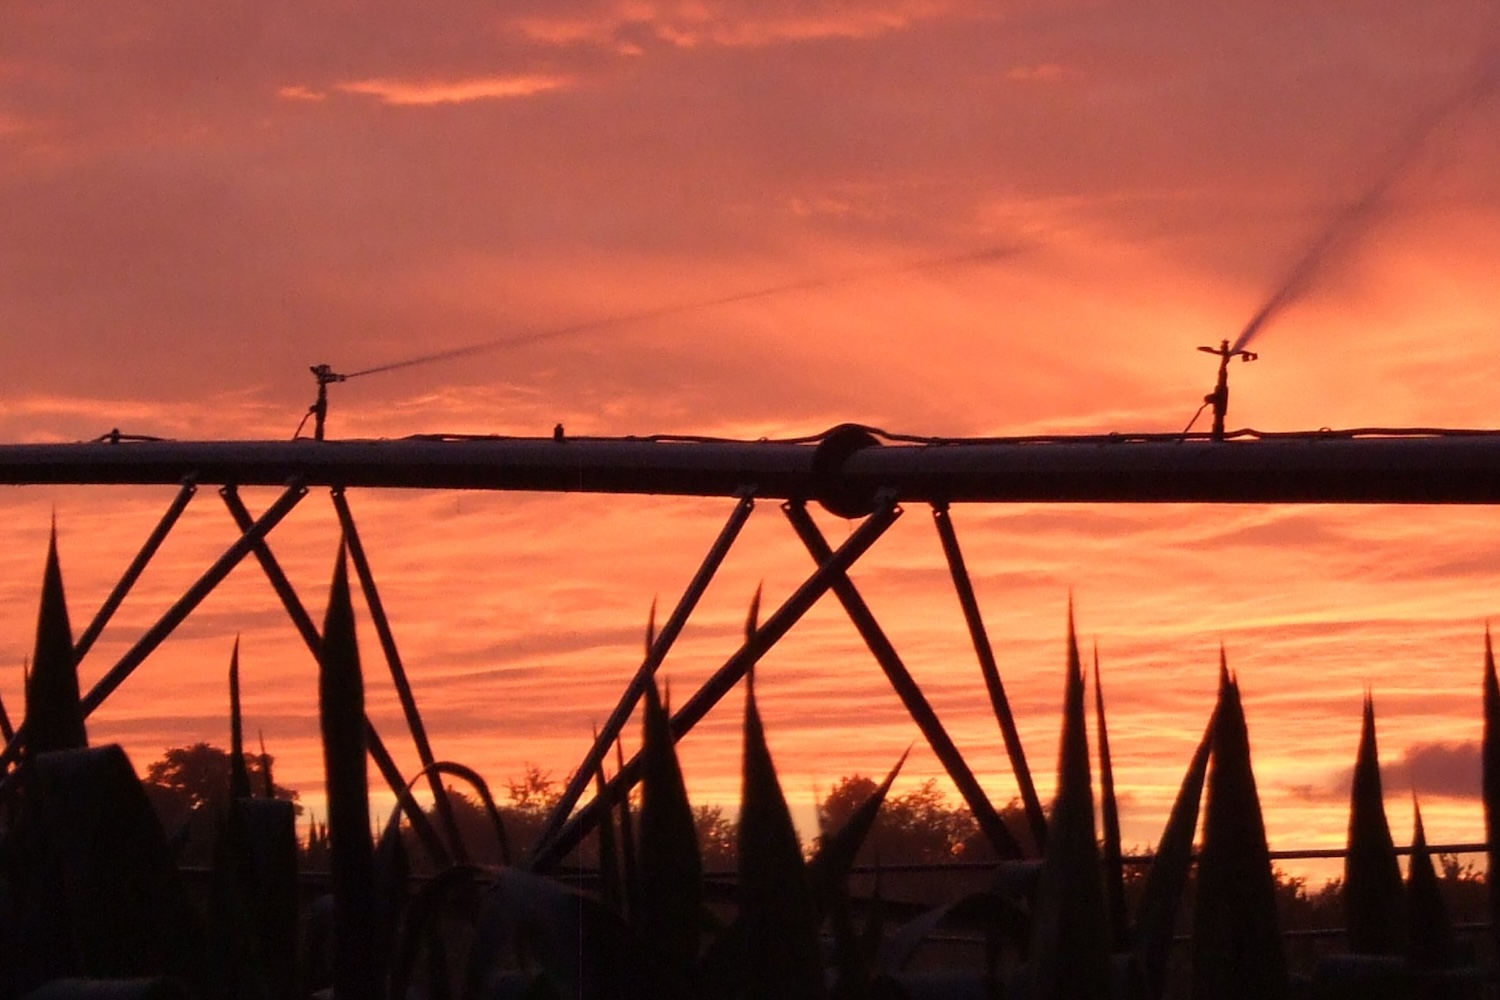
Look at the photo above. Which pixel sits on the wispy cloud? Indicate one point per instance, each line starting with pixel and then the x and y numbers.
pixel 694 25
pixel 299 93
pixel 408 93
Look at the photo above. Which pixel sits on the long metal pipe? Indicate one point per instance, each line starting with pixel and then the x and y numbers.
pixel 1307 468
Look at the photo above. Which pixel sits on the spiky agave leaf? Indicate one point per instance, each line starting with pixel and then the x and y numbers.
pixel 268 786
pixel 341 702
pixel 1114 865
pixel 671 870
pixel 1490 754
pixel 829 867
pixel 1070 941
pixel 7 731
pixel 632 875
pixel 1374 908
pixel 752 617
pixel 776 906
pixel 611 887
pixel 1236 948
pixel 1432 944
pixel 54 715
pixel 1156 914
pixel 239 775
pixel 651 628
pixel 392 885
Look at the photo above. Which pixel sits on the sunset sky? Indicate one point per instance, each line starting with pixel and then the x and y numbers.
pixel 971 219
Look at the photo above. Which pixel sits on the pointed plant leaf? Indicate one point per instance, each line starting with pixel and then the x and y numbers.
pixel 632 875
pixel 1432 944
pixel 1237 950
pixel 392 881
pixel 54 714
pixel 1490 755
pixel 611 886
pixel 776 912
pixel 829 867
pixel 752 617
pixel 671 871
pixel 268 785
pixel 1374 900
pixel 651 628
pixel 1156 914
pixel 7 731
pixel 1070 944
pixel 341 702
pixel 239 775
pixel 1114 866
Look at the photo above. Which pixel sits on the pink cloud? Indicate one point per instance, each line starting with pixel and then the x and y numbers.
pixel 407 93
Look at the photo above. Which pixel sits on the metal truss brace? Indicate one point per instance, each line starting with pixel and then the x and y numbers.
pixel 916 703
pixel 304 623
pixel 771 630
pixel 179 611
pixel 135 569
pixel 654 657
pixel 398 673
pixel 1014 749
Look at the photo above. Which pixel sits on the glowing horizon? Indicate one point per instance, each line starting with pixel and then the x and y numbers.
pixel 201 206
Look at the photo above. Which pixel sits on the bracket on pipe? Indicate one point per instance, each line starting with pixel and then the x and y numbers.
pixel 829 486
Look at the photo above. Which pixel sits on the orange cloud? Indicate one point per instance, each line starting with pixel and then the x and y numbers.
pixel 299 93
pixel 1039 73
pixel 409 93
pixel 695 23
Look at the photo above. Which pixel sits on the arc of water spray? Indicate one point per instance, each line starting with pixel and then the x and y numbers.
pixel 1347 225
pixel 982 255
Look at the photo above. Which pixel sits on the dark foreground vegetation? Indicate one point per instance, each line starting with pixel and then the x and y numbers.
pixel 194 883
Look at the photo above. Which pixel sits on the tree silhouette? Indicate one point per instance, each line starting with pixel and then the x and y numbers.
pixel 189 788
pixel 919 827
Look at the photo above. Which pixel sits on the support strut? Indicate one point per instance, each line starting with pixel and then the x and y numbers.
pixel 654 657
pixel 398 674
pixel 135 569
pixel 991 671
pixel 310 635
pixel 725 678
pixel 916 703
pixel 252 535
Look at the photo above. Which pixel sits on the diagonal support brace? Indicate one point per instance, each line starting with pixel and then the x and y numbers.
pixel 398 673
pixel 304 623
pixel 964 587
pixel 654 657
pixel 916 703
pixel 135 569
pixel 726 677
pixel 174 616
